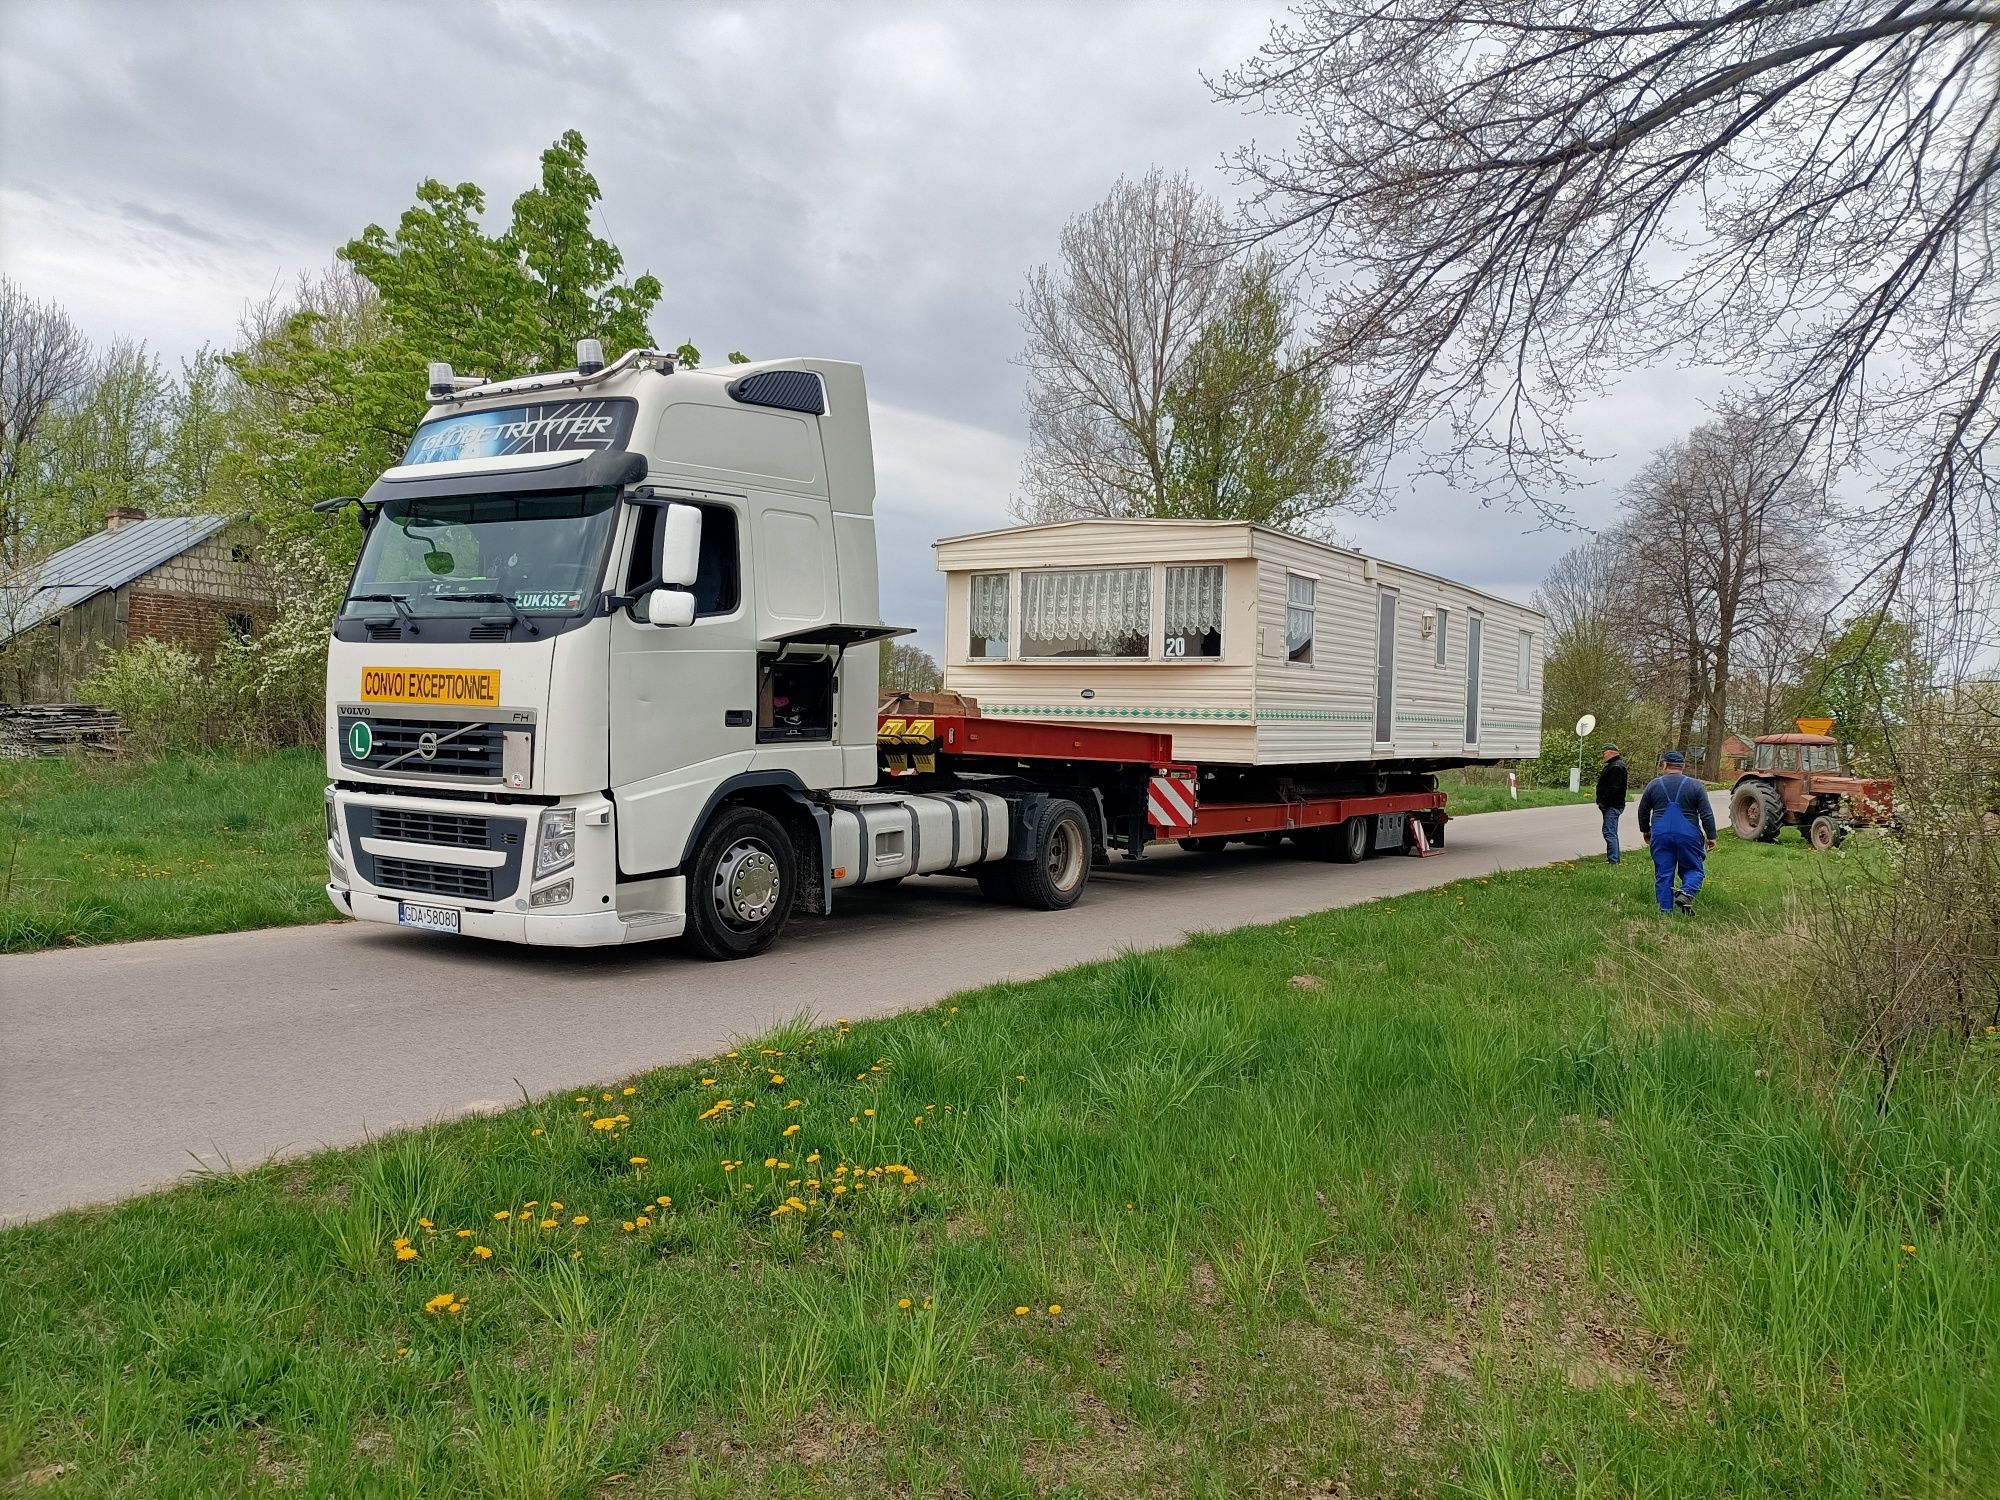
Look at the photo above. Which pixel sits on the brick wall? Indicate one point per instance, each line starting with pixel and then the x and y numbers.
pixel 223 567
pixel 199 624
pixel 188 599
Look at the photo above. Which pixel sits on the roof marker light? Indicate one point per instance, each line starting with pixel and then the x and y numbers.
pixel 589 356
pixel 440 380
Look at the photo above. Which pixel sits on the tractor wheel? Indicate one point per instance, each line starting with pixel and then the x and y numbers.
pixel 1825 832
pixel 1756 812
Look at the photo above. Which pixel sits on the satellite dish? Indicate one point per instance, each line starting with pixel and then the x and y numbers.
pixel 1585 724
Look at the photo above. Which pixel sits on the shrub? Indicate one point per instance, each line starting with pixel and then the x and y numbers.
pixel 162 694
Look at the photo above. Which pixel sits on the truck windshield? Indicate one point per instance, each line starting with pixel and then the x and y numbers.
pixel 540 552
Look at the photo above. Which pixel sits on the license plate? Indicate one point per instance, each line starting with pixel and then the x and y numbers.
pixel 430 918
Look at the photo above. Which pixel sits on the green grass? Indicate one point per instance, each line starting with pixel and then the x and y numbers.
pixel 1510 1189
pixel 93 852
pixel 1463 798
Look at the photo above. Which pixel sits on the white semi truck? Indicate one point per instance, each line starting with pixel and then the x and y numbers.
pixel 607 672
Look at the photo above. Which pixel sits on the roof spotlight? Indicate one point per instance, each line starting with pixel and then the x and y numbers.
pixel 440 380
pixel 589 356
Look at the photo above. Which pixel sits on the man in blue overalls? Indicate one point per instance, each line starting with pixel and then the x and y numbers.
pixel 1676 820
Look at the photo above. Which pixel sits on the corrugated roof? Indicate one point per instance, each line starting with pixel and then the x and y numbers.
pixel 105 560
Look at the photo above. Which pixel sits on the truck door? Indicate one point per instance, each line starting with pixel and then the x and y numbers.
pixel 683 700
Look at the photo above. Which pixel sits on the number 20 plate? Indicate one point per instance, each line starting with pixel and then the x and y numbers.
pixel 430 918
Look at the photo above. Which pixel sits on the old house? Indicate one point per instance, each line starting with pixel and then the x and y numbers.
pixel 191 580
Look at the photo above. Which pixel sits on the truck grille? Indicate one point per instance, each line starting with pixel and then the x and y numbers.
pixel 458 749
pixel 434 880
pixel 447 832
pixel 459 830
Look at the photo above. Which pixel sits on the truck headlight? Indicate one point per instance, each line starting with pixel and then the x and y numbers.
pixel 332 827
pixel 556 849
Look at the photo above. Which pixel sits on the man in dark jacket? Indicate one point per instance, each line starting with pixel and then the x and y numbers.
pixel 1676 819
pixel 1611 798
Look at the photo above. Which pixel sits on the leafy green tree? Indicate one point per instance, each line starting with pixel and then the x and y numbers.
pixel 1248 417
pixel 1867 678
pixel 910 669
pixel 517 302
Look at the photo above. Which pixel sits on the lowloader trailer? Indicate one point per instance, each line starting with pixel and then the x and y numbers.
pixel 607 672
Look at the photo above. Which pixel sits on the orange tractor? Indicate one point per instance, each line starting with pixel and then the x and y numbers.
pixel 1798 780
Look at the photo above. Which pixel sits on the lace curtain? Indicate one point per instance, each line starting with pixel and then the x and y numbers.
pixel 989 607
pixel 1194 600
pixel 1106 612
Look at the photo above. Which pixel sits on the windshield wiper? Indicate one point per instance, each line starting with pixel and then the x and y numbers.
pixel 519 618
pixel 401 602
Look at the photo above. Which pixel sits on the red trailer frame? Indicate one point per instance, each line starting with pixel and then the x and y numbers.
pixel 1136 773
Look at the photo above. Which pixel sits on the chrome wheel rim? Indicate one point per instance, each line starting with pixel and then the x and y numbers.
pixel 746 887
pixel 1065 857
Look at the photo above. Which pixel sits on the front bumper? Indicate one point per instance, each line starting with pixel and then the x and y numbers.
pixel 358 852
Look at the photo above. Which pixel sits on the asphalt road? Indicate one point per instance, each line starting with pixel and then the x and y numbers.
pixel 124 1066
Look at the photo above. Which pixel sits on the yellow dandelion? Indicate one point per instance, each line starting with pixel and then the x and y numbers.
pixel 548 1223
pixel 504 1214
pixel 904 1303
pixel 708 1083
pixel 425 1224
pixel 483 1252
pixel 793 1103
pixel 1021 1312
pixel 465 1234
pixel 869 1113
pixel 536 1131
pixel 791 1130
pixel 664 1201
pixel 642 1221
pixel 406 1252
pixel 637 1161
pixel 555 1208
pixel 630 1092
pixel 630 1225
pixel 1055 1309
pixel 580 1220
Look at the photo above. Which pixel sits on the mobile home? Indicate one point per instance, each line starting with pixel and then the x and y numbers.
pixel 1253 646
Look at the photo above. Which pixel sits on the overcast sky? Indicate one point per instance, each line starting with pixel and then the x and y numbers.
pixel 862 181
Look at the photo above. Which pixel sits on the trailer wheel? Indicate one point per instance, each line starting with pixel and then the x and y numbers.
pixel 741 884
pixel 1351 839
pixel 1052 877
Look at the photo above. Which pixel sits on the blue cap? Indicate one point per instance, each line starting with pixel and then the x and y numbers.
pixel 1674 758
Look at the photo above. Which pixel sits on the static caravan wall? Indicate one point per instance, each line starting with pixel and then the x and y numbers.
pixel 1263 700
pixel 1206 704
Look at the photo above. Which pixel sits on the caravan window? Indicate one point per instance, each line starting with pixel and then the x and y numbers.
pixel 989 617
pixel 1299 619
pixel 1086 612
pixel 1524 665
pixel 1443 632
pixel 1193 625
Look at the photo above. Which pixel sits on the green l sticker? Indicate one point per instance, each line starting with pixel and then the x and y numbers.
pixel 360 739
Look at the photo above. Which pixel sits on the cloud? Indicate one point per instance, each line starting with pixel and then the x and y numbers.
pixel 867 181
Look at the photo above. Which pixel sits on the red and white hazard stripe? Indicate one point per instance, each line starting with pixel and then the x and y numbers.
pixel 1170 802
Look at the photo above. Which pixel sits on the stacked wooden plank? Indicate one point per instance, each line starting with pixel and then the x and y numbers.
pixel 36 729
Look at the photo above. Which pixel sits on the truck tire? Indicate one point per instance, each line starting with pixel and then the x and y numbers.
pixel 1825 832
pixel 1052 877
pixel 1207 844
pixel 1756 812
pixel 1352 838
pixel 741 884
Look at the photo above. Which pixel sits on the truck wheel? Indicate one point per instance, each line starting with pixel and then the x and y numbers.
pixel 1207 844
pixel 741 883
pixel 1755 812
pixel 1825 832
pixel 1351 839
pixel 1053 876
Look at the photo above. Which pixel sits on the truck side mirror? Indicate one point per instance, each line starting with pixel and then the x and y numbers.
pixel 680 547
pixel 670 607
